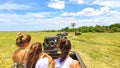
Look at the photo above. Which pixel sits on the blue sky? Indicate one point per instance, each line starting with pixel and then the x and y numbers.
pixel 34 15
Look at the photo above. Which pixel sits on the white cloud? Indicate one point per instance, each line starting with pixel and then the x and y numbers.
pixel 108 3
pixel 88 12
pixel 114 13
pixel 108 20
pixel 35 15
pixel 104 10
pixel 56 4
pixel 64 14
pixel 9 6
pixel 28 18
pixel 29 21
pixel 38 21
pixel 68 14
pixel 77 1
pixel 101 16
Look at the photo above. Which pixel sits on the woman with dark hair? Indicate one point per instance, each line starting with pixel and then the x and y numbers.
pixel 65 61
pixel 20 54
pixel 37 58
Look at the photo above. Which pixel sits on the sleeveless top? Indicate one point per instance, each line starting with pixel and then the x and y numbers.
pixel 65 64
pixel 42 63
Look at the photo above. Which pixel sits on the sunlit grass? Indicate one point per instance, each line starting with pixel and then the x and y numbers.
pixel 97 50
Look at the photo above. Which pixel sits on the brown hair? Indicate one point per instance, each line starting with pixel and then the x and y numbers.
pixel 65 47
pixel 22 39
pixel 33 55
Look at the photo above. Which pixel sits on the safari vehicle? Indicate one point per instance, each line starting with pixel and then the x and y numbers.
pixel 50 47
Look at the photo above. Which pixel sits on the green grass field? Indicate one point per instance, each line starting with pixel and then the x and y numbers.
pixel 97 50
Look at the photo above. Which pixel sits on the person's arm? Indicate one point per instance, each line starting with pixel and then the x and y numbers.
pixel 53 64
pixel 49 57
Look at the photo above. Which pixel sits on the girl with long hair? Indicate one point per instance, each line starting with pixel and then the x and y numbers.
pixel 65 61
pixel 37 58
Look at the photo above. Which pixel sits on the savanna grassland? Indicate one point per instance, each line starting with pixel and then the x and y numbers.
pixel 97 50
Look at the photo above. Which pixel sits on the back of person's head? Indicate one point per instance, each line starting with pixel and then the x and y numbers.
pixel 36 48
pixel 65 47
pixel 22 39
pixel 33 55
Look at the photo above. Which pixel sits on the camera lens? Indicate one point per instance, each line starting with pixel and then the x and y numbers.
pixel 52 43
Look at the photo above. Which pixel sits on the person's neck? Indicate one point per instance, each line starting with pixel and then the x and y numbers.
pixel 41 55
pixel 67 56
pixel 22 47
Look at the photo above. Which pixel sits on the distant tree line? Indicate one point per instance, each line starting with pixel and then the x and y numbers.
pixel 98 28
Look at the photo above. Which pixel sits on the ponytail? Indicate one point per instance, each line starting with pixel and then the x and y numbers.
pixel 63 55
pixel 65 47
pixel 33 55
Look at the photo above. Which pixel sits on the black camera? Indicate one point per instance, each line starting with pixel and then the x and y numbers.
pixel 50 46
pixel 50 43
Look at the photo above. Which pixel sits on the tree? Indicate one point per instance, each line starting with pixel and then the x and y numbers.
pixel 73 25
pixel 98 28
pixel 115 25
pixel 91 29
pixel 66 29
pixel 115 29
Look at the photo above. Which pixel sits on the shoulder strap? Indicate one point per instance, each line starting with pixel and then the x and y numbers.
pixel 24 56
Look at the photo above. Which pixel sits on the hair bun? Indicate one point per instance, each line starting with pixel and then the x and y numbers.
pixel 20 34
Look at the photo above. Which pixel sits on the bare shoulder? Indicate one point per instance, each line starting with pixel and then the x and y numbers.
pixel 75 64
pixel 18 55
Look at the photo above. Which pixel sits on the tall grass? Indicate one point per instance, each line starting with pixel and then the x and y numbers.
pixel 97 50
